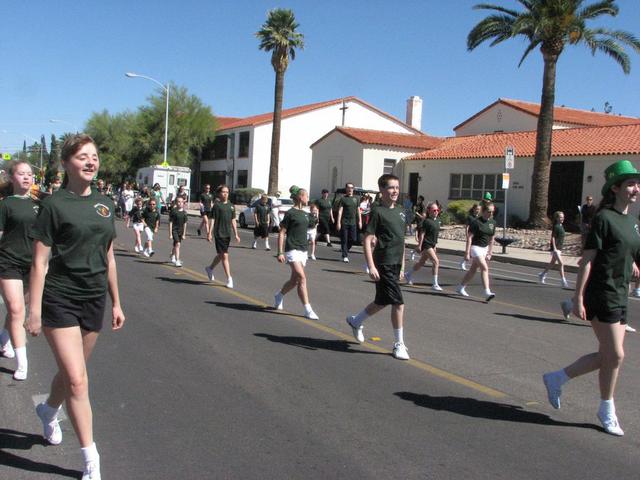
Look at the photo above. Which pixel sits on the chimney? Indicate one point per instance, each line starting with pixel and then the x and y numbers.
pixel 414 112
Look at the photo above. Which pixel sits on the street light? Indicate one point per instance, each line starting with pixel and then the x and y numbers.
pixel 166 114
pixel 56 120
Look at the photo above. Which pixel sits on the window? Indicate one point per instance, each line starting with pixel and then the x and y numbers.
pixel 473 186
pixel 219 147
pixel 214 178
pixel 389 165
pixel 172 179
pixel 243 176
pixel 182 182
pixel 243 149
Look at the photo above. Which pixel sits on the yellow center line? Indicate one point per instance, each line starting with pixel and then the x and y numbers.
pixel 343 336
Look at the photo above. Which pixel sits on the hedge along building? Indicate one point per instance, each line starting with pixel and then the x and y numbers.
pixel 240 155
pixel 466 167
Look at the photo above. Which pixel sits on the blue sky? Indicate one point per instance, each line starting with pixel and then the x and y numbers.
pixel 66 59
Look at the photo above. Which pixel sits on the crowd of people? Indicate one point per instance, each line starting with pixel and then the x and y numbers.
pixel 56 256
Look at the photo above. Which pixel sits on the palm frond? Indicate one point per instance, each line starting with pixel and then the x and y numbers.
pixel 528 50
pixel 498 26
pixel 611 48
pixel 605 7
pixel 498 8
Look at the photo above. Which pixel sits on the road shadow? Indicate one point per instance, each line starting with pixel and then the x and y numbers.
pixel 153 262
pixel 347 272
pixel 6 370
pixel 123 253
pixel 245 307
pixel 15 440
pixel 470 407
pixel 309 343
pixel 183 281
pixel 542 319
pixel 407 289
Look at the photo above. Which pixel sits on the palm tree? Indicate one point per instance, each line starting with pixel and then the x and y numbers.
pixel 551 25
pixel 278 35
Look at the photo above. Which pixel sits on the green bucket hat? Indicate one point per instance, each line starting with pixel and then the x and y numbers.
pixel 619 172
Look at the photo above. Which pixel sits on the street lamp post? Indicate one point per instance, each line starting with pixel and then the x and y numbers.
pixel 166 114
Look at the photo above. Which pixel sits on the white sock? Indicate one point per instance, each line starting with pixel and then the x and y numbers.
pixel 488 291
pixel 307 308
pixel 562 376
pixel 360 317
pixel 435 279
pixel 398 334
pixel 21 357
pixel 607 407
pixel 266 243
pixel 89 453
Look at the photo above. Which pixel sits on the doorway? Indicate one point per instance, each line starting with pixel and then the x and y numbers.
pixel 565 191
pixel 414 178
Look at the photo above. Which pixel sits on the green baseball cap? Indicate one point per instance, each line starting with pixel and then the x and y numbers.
pixel 618 172
pixel 488 196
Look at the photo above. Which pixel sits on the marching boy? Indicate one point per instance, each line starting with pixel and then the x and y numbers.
pixel 385 262
pixel 262 217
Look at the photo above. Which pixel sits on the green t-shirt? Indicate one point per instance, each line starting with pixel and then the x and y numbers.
pixel 349 210
pixel 262 212
pixel 471 219
pixel 313 221
pixel 151 217
pixel 388 225
pixel 431 230
pixel 207 201
pixel 79 231
pixel 558 235
pixel 178 219
pixel 17 216
pixel 296 222
pixel 324 207
pixel 616 238
pixel 482 231
pixel 136 214
pixel 223 213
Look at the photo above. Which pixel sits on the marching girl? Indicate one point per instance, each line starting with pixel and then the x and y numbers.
pixel 474 213
pixel 294 227
pixel 77 229
pixel 138 223
pixel 151 217
pixel 18 212
pixel 557 240
pixel 479 249
pixel 608 261
pixel 428 240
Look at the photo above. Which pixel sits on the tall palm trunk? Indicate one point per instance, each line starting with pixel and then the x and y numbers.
pixel 542 159
pixel 275 136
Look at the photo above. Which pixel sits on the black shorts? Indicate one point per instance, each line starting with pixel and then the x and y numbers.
pixel 222 244
pixel 261 231
pixel 175 234
pixel 324 226
pixel 388 288
pixel 209 214
pixel 426 246
pixel 13 272
pixel 606 315
pixel 60 312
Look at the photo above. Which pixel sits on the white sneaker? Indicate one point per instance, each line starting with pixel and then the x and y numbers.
pixel 554 389
pixel 542 278
pixel 636 293
pixel 345 259
pixel 7 350
pixel 312 257
pixel 358 333
pixel 135 248
pixel 278 302
pixel 413 255
pixel 255 245
pixel 178 263
pixel 489 296
pixel 172 259
pixel 436 288
pixel 209 271
pixel 92 469
pixel 407 277
pixel 267 247
pixel 629 328
pixel 566 306
pixel 565 284
pixel 366 269
pixel 460 290
pixel 146 253
pixel 230 283
pixel 52 432
pixel 610 424
pixel 400 351
pixel 311 315
pixel 463 265
pixel 20 373
pixel 151 252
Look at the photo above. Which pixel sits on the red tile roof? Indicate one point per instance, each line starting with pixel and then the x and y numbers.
pixel 561 115
pixel 227 123
pixel 391 139
pixel 616 140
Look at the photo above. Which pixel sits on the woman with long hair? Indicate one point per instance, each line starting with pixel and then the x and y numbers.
pixel 18 212
pixel 76 226
pixel 427 241
pixel 294 227
pixel 557 241
pixel 608 262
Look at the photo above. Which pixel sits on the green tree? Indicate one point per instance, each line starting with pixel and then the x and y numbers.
pixel 53 161
pixel 278 35
pixel 551 25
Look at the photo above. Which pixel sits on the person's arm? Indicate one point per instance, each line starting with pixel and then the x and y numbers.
pixel 553 241
pixel 359 219
pixel 36 286
pixel 339 221
pixel 170 226
pixel 331 214
pixel 157 225
pixel 584 270
pixel 281 235
pixel 234 227
pixel 368 255
pixel 184 230
pixel 490 249
pixel 420 239
pixel 467 248
pixel 117 316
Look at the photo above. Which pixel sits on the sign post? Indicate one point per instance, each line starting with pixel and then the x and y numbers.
pixel 509 164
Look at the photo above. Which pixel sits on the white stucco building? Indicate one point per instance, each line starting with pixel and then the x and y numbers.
pixel 241 154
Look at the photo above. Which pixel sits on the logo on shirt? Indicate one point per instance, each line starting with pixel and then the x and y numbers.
pixel 404 216
pixel 637 229
pixel 102 210
pixel 36 209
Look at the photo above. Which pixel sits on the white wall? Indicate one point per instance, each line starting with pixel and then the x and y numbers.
pixel 341 152
pixel 373 163
pixel 499 118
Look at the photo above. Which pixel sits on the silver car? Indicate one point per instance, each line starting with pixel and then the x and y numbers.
pixel 279 206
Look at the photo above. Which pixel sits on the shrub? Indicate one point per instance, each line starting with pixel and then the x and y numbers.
pixel 445 218
pixel 243 195
pixel 459 210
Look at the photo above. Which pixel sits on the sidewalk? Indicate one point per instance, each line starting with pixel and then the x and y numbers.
pixel 517 256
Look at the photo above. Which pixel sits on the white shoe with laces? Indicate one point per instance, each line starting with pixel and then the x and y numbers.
pixel 629 328
pixel 230 283
pixel 542 278
pixel 554 388
pixel 178 263
pixel 460 290
pixel 436 288
pixel 610 423
pixel 172 259
pixel 146 253
pixel 92 469
pixel 311 315
pixel 7 350
pixel 358 332
pixel 407 277
pixel 345 259
pixel 278 301
pixel 209 271
pixel 51 427
pixel 400 351
pixel 565 284
pixel 567 307
pixel 20 373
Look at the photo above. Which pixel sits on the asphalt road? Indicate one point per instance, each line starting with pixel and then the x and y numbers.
pixel 204 382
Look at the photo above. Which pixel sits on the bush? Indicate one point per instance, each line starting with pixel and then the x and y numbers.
pixel 445 218
pixel 459 210
pixel 243 195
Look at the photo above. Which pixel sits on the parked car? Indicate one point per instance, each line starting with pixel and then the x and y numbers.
pixel 279 206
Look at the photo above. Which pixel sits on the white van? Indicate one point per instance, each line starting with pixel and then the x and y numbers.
pixel 169 178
